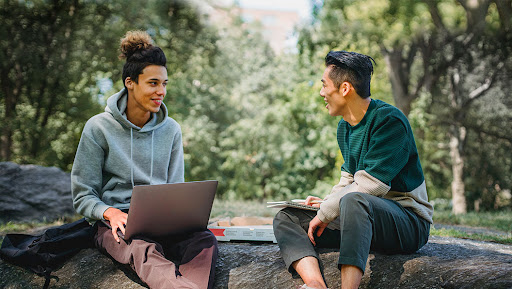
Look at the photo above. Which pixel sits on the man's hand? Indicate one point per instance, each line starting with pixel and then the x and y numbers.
pixel 313 201
pixel 117 219
pixel 318 226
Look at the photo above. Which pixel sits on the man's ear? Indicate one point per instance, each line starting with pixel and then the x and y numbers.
pixel 345 88
pixel 128 82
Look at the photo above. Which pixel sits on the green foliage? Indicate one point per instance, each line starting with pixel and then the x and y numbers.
pixel 51 56
pixel 432 143
pixel 251 121
pixel 55 54
pixel 485 64
pixel 285 149
pixel 349 25
pixel 421 43
pixel 250 118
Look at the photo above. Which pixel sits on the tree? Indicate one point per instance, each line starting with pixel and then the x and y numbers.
pixel 52 55
pixel 246 115
pixel 472 78
pixel 55 55
pixel 421 42
pixel 411 35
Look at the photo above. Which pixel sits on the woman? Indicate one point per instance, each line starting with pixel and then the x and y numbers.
pixel 134 142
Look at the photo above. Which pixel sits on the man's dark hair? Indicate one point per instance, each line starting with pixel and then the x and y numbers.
pixel 351 67
pixel 136 47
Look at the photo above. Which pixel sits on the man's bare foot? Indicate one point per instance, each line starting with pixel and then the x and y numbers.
pixel 313 285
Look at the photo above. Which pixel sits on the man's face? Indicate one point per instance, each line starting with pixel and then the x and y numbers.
pixel 334 99
pixel 150 90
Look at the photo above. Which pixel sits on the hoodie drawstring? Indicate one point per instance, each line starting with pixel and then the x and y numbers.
pixel 152 149
pixel 131 155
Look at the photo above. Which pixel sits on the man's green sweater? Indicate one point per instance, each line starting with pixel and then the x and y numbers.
pixel 381 159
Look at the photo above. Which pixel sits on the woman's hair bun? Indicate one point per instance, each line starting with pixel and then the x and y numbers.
pixel 134 41
pixel 138 49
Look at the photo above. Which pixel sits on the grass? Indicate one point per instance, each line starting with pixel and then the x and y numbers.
pixel 15 227
pixel 224 208
pixel 500 221
pixel 507 239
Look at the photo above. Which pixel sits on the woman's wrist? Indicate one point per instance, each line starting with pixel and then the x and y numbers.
pixel 108 213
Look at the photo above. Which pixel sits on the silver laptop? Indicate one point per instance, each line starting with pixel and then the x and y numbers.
pixel 169 209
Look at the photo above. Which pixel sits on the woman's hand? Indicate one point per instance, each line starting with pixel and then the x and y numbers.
pixel 117 219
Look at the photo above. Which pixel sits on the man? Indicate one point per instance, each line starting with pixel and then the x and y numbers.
pixel 380 203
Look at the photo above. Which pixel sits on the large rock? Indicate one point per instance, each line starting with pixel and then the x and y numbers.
pixel 30 192
pixel 33 193
pixel 442 263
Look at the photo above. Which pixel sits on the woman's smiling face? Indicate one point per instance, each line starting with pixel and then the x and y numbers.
pixel 150 90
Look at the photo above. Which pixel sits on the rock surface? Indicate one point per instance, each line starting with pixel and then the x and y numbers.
pixel 442 263
pixel 33 193
pixel 30 192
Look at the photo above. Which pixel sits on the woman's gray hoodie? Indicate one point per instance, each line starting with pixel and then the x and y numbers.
pixel 114 155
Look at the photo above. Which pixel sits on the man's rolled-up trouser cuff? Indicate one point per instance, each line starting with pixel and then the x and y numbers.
pixel 342 260
pixel 290 227
pixel 297 258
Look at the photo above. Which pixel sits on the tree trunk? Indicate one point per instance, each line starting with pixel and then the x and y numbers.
pixel 10 113
pixel 457 138
pixel 398 70
pixel 476 11
pixel 6 142
pixel 505 11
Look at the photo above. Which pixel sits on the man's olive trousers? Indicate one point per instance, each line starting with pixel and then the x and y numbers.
pixel 366 223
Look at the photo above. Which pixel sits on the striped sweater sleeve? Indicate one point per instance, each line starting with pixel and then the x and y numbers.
pixel 362 182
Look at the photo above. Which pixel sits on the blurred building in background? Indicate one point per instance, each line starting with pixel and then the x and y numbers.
pixel 276 24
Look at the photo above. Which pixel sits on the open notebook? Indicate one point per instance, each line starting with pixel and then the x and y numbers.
pixel 299 204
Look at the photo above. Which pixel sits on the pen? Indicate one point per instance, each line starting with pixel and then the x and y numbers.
pixel 303 201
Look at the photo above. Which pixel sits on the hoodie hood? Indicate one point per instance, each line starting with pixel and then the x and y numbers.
pixel 116 106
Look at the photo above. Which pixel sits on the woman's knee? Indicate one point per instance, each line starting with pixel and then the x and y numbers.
pixel 211 239
pixel 204 239
pixel 142 246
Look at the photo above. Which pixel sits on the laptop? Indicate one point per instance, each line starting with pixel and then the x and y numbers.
pixel 169 209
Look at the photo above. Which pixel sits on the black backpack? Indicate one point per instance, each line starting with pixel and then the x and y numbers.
pixel 45 253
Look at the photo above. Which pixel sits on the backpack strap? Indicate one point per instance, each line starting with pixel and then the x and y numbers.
pixel 48 277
